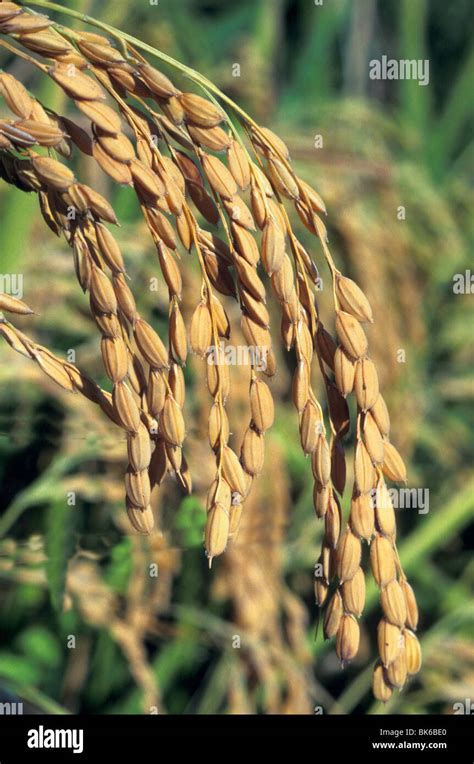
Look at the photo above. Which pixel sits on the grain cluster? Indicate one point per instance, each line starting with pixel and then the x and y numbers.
pixel 227 198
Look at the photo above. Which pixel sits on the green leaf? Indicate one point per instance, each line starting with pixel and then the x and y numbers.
pixel 41 646
pixel 120 567
pixel 18 668
pixel 60 524
pixel 190 521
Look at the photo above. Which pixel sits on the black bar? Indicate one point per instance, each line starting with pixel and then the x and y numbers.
pixel 444 737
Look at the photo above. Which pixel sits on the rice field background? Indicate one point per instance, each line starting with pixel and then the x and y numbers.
pixel 87 624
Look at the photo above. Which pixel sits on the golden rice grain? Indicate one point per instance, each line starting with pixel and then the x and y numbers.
pixel 238 165
pixel 261 405
pixel 253 451
pixel 53 173
pixel 53 368
pixel 283 281
pixel 217 531
pixel 98 53
pixel 393 466
pixel 352 299
pixel 239 212
pixel 218 426
pixel 11 336
pixel 172 422
pixel 250 279
pixel 9 10
pixel 413 652
pixel 102 291
pixel 411 606
pixel 266 140
pixel 393 604
pixel 170 271
pixel 333 615
pixel 99 205
pixel 156 393
pixel 273 247
pixel 353 593
pixel 200 111
pixel 315 200
pixel 118 147
pixel 25 23
pixel 125 299
pixel 101 115
pixel 219 493
pixel 310 428
pixel 380 684
pixel 332 522
pixel 201 330
pixel 366 383
pixel 245 244
pixel 146 180
pixel 232 471
pixel 321 497
pixel 118 171
pixel 221 318
pixel 300 390
pixel 115 357
pixel 351 335
pixel 14 305
pixel 390 641
pixel 283 180
pixel 363 469
pixel 384 511
pixel 362 516
pixel 382 560
pixel 158 83
pixel 139 449
pixel 45 134
pixel 177 384
pixel 397 670
pixel 344 370
pixel 327 561
pixel 219 177
pixel 125 407
pixel 214 138
pixel 321 461
pixel 109 249
pixel 218 377
pixel 347 639
pixel 321 590
pixel 75 83
pixel 141 519
pixel 150 345
pixel 255 309
pixel 348 556
pixel 175 456
pixel 373 439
